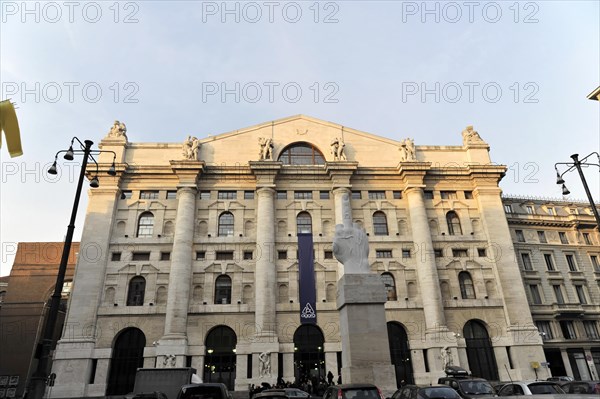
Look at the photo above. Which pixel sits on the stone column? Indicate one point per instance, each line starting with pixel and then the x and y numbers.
pixel 174 340
pixel 425 261
pixel 265 275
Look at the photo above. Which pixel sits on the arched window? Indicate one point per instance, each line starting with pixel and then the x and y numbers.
pixel 480 352
pixel 127 357
pixel 145 225
pixel 390 286
pixel 453 223
pixel 380 227
pixel 303 223
pixel 400 353
pixel 223 289
pixel 301 154
pixel 309 352
pixel 226 224
pixel 220 356
pixel 467 291
pixel 137 288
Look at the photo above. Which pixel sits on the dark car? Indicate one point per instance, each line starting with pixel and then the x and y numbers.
pixel 468 388
pixel 204 391
pixel 148 395
pixel 426 392
pixel 290 392
pixel 271 394
pixel 592 387
pixel 353 391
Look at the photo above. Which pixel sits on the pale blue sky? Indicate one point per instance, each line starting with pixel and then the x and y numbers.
pixel 370 57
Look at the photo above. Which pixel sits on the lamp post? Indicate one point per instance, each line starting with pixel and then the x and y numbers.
pixel 576 164
pixel 37 382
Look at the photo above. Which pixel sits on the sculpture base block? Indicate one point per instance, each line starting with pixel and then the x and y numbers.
pixel 365 346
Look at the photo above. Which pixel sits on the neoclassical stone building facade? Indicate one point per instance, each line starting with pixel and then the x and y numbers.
pixel 192 258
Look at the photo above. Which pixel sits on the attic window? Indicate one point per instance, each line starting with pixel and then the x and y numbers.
pixel 301 154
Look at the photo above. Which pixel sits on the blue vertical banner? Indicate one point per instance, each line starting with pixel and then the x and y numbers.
pixel 306 275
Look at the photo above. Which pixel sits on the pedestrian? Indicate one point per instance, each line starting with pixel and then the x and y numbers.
pixel 339 380
pixel 329 378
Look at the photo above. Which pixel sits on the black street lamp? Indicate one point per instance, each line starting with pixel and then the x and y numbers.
pixel 576 164
pixel 37 382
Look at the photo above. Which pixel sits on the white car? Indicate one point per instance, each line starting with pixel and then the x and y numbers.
pixel 530 388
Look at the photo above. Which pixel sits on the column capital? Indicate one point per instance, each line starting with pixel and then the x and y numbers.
pixel 413 173
pixel 341 172
pixel 265 172
pixel 187 172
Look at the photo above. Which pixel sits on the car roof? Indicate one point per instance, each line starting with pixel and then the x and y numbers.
pixel 264 394
pixel 355 386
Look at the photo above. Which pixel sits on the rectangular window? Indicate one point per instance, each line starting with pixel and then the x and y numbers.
pixel 356 195
pixel 249 366
pixel 115 256
pixel 323 195
pixel 328 254
pixel 375 195
pixel 542 236
pixel 580 290
pixel 281 195
pixel 406 253
pixel 563 237
pixel 165 256
pixel 383 253
pixel 586 238
pixel 281 255
pixel 428 194
pixel 544 329
pixel 224 255
pixel 448 195
pixel 529 209
pixel 536 299
pixel 568 329
pixel 551 211
pixel 468 194
pixel 520 235
pixel 248 195
pixel 200 255
pixel 549 262
pixel 137 256
pixel 303 195
pixel 126 194
pixel 507 208
pixel 595 263
pixel 204 195
pixel 149 194
pixel 558 294
pixel 460 253
pixel 171 194
pixel 247 255
pixel 227 195
pixel 571 262
pixel 526 261
pixel 397 194
pixel 93 371
pixel 591 329
pixel 481 252
pixel 438 253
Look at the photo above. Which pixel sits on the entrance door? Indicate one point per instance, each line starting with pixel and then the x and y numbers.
pixel 309 357
pixel 127 356
pixel 400 353
pixel 219 360
pixel 480 352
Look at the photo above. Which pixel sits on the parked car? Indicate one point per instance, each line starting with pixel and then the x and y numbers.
pixel 271 394
pixel 291 392
pixel 149 395
pixel 582 387
pixel 426 392
pixel 560 378
pixel 353 391
pixel 204 391
pixel 530 388
pixel 468 388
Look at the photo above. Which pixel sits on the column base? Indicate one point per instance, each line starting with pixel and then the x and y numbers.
pixel 380 374
pixel 171 351
pixel 72 364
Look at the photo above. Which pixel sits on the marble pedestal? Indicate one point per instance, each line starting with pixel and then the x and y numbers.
pixel 363 328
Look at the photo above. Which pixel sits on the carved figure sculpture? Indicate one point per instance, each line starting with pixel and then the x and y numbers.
pixel 350 243
pixel 337 149
pixel 265 152
pixel 118 129
pixel 191 146
pixel 407 150
pixel 446 354
pixel 471 136
pixel 264 359
pixel 169 361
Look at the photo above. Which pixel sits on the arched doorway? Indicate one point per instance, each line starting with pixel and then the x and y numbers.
pixel 127 356
pixel 219 360
pixel 400 353
pixel 480 352
pixel 309 355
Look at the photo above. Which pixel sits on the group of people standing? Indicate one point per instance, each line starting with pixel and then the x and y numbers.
pixel 310 385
